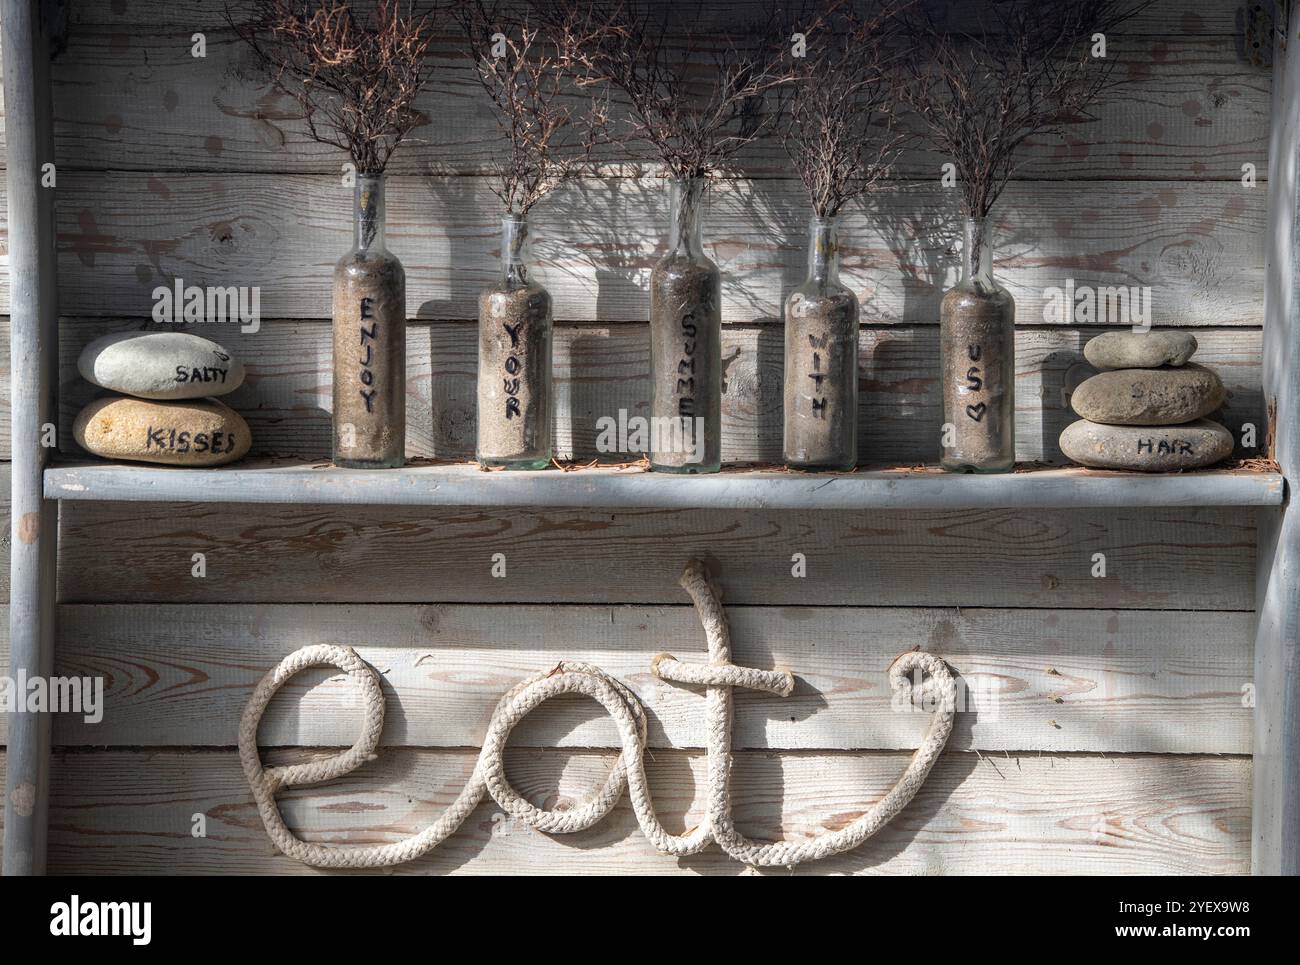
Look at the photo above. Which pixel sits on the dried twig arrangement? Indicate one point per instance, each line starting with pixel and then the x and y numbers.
pixel 355 79
pixel 694 98
pixel 1022 69
pixel 839 123
pixel 525 71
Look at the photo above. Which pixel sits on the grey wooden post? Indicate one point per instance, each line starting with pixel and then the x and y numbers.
pixel 1275 844
pixel 33 360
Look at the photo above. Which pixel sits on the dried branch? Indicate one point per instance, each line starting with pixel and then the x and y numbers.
pixel 1023 69
pixel 694 100
pixel 525 73
pixel 840 113
pixel 355 79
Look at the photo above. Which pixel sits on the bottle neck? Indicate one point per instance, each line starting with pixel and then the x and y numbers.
pixel 368 212
pixel 516 250
pixel 685 235
pixel 977 253
pixel 824 252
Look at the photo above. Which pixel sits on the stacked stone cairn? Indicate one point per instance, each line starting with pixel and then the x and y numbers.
pixel 1145 410
pixel 165 410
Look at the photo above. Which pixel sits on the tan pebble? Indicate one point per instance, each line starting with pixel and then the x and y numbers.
pixel 202 432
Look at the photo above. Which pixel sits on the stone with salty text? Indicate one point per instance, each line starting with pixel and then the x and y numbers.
pixel 160 365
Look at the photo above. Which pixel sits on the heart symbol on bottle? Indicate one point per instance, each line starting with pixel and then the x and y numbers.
pixel 976 412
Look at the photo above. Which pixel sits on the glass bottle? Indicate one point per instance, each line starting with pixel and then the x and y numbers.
pixel 686 344
pixel 514 361
pixel 821 361
pixel 977 340
pixel 369 341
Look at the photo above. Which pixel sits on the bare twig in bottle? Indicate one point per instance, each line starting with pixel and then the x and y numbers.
pixel 354 78
pixel 1022 69
pixel 839 122
pixel 523 67
pixel 694 98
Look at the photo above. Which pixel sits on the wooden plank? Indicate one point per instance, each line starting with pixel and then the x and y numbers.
pixel 132 813
pixel 1179 559
pixel 1182 63
pixel 1162 18
pixel 600 370
pixel 465 485
pixel 1189 107
pixel 1198 114
pixel 1197 245
pixel 1028 558
pixel 1032 680
pixel 1276 839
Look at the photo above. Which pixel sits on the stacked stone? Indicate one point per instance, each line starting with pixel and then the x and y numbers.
pixel 166 411
pixel 1146 408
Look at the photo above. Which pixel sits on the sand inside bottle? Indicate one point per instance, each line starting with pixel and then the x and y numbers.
pixel 686 361
pixel 821 381
pixel 369 361
pixel 977 365
pixel 514 407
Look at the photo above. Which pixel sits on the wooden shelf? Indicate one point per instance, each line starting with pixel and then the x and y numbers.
pixel 461 484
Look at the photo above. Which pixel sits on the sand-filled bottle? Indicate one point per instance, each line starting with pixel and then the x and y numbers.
pixel 369 341
pixel 821 361
pixel 977 340
pixel 686 344
pixel 514 361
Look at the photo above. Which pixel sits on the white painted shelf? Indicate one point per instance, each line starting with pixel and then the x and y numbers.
pixel 462 484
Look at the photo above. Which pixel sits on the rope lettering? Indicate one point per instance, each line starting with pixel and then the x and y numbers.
pixel 719 676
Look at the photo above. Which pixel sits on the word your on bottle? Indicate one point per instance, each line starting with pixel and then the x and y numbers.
pixel 511 381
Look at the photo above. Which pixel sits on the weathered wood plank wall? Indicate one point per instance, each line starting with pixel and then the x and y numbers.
pixel 1188 112
pixel 1196 244
pixel 1166 559
pixel 1048 680
pixel 1115 696
pixel 600 369
pixel 120 812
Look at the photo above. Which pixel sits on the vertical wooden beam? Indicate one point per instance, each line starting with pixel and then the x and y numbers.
pixel 33 361
pixel 1275 845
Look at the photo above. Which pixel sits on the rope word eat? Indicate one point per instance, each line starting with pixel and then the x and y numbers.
pixel 719 676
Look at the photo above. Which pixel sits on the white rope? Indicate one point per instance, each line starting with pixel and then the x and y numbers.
pixel 719 676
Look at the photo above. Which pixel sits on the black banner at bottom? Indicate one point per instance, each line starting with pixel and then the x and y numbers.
pixel 338 913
